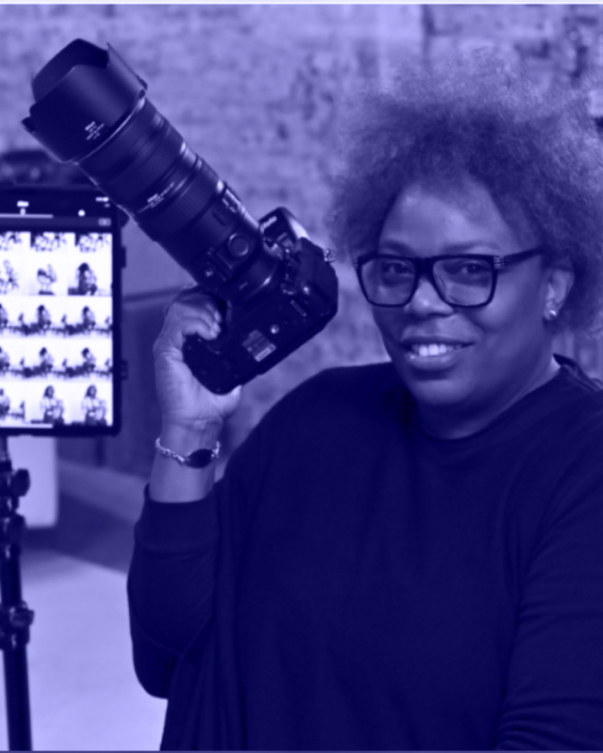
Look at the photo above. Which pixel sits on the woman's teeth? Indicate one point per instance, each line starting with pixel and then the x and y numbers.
pixel 433 349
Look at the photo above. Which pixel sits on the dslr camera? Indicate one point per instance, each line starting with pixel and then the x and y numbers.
pixel 274 287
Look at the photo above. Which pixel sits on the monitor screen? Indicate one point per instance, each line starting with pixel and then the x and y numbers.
pixel 60 267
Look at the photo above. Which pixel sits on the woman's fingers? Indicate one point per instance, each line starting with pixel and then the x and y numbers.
pixel 194 301
pixel 179 324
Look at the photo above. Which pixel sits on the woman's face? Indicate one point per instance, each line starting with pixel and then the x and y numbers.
pixel 85 279
pixel 507 344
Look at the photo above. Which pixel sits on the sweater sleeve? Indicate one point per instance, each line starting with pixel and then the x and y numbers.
pixel 170 584
pixel 554 691
pixel 174 568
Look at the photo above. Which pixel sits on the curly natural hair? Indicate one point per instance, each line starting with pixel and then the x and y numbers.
pixel 535 149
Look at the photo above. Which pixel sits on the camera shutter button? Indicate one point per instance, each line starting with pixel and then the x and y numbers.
pixel 238 245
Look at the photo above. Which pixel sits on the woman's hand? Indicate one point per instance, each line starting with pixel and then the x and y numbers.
pixel 185 402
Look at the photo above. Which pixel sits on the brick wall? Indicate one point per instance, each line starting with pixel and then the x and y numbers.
pixel 255 89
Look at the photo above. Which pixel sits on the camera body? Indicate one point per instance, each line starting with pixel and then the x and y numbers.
pixel 275 288
pixel 258 335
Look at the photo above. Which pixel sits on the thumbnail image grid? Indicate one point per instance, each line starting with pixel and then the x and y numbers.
pixel 55 329
pixel 50 404
pixel 60 264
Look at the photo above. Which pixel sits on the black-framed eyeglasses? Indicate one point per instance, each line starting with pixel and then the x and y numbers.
pixel 463 280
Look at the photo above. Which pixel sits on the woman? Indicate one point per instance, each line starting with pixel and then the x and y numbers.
pixel 4 404
pixel 52 408
pixel 403 555
pixel 3 318
pixel 89 361
pixel 4 361
pixel 88 320
pixel 86 281
pixel 46 362
pixel 43 320
pixel 93 408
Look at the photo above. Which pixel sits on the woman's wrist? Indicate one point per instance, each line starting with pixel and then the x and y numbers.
pixel 172 482
pixel 184 438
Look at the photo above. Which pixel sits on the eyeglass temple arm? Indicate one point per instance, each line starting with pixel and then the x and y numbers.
pixel 500 262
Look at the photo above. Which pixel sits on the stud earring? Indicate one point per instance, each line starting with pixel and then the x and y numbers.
pixel 553 314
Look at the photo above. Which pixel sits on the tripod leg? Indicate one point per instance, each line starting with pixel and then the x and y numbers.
pixel 17 699
pixel 15 617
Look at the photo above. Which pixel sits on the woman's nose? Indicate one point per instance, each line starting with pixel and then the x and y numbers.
pixel 426 300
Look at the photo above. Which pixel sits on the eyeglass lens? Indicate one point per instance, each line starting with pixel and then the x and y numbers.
pixel 460 280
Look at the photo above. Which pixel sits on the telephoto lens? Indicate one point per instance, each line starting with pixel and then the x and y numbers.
pixel 90 109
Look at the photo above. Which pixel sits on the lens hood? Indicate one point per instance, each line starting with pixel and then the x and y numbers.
pixel 97 89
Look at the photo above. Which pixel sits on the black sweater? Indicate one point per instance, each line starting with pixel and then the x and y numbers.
pixel 352 583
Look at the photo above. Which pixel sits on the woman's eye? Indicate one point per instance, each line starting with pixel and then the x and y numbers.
pixel 395 269
pixel 469 268
pixel 472 268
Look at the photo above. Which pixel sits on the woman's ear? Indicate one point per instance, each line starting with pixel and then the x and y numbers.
pixel 559 283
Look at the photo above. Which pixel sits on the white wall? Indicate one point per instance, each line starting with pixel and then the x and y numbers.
pixel 38 455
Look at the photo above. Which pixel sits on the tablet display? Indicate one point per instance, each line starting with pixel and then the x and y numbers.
pixel 60 267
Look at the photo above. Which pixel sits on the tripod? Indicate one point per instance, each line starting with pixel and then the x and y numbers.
pixel 15 616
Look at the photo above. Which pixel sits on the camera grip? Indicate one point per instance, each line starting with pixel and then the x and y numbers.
pixel 209 363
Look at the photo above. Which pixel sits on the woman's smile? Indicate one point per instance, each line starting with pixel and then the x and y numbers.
pixel 434 356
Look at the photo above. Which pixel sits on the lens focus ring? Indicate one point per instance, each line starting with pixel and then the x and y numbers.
pixel 144 173
pixel 184 204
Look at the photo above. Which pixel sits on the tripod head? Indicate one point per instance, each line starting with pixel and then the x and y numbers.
pixel 13 484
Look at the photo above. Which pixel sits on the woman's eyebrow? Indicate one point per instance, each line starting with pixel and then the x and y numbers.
pixel 450 248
